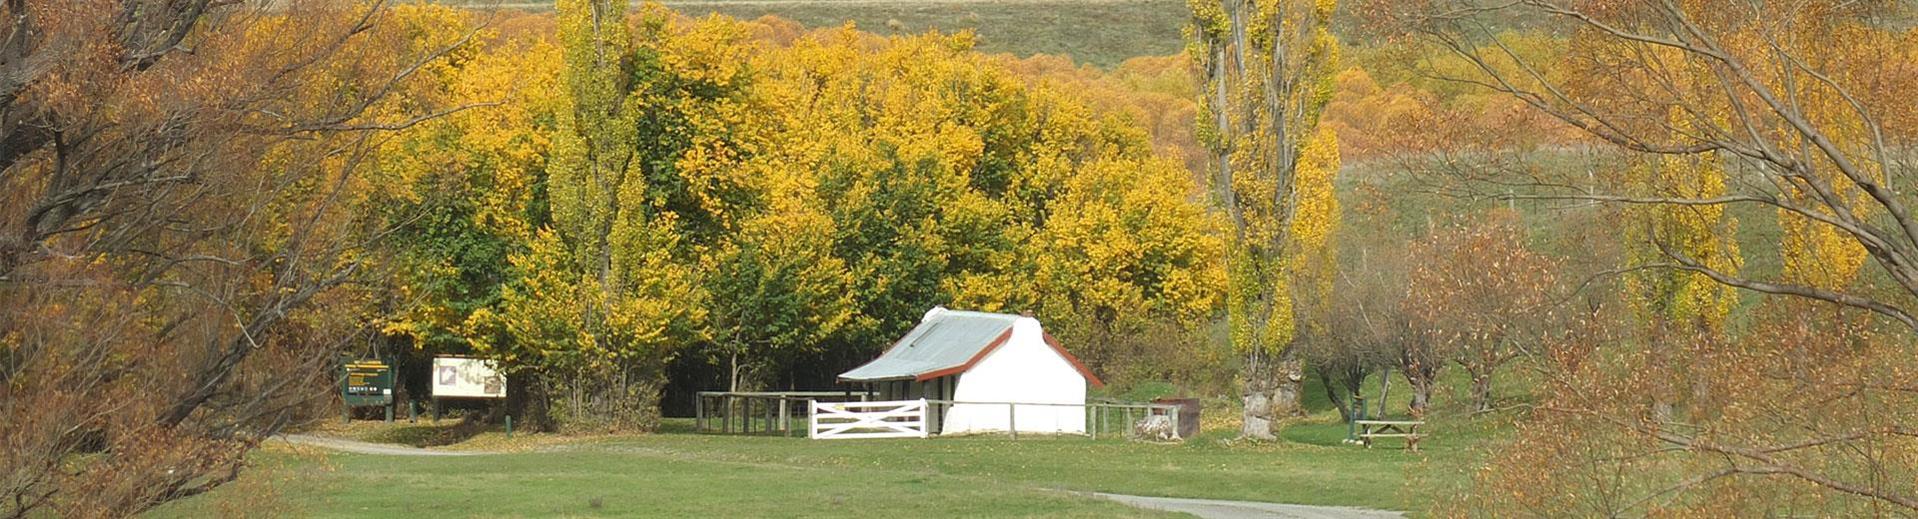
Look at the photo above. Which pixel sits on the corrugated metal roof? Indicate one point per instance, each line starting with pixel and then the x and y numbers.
pixel 945 339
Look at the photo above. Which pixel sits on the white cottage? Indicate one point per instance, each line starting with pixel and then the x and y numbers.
pixel 983 361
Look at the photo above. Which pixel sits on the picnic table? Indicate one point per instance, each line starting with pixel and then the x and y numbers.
pixel 1372 429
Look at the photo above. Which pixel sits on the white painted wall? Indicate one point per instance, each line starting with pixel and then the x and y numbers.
pixel 1024 369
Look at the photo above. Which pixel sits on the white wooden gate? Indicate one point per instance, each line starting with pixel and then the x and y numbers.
pixel 892 419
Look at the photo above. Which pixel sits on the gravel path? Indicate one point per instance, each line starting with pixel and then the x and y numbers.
pixel 368 448
pixel 1221 509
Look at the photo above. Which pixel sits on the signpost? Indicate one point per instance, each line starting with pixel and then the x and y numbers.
pixel 368 382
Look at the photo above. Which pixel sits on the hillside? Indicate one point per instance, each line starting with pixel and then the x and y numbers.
pixel 1098 32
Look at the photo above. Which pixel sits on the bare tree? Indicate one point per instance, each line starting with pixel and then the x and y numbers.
pixel 1362 329
pixel 177 226
pixel 1808 105
pixel 1478 297
pixel 1764 86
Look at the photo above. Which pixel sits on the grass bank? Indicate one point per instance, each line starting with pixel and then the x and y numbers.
pixel 1099 32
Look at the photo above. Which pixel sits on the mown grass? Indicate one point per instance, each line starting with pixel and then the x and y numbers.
pixel 629 479
pixel 1102 33
pixel 679 473
pixel 676 473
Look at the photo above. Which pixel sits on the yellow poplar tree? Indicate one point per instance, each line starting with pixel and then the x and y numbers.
pixel 609 257
pixel 1268 70
pixel 1313 255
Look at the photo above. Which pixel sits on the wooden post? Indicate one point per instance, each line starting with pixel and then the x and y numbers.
pixel 1098 422
pixel 785 417
pixel 699 412
pixel 1175 421
pixel 1131 425
pixel 726 414
pixel 1012 419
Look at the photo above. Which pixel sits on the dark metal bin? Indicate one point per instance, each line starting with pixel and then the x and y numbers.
pixel 1188 414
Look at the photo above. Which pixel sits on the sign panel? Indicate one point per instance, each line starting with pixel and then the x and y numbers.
pixel 368 382
pixel 460 377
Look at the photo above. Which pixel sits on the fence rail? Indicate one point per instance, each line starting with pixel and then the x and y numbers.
pixel 890 419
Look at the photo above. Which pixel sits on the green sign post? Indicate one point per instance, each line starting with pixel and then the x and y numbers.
pixel 367 382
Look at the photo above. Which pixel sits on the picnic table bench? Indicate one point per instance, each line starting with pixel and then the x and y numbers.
pixel 1408 429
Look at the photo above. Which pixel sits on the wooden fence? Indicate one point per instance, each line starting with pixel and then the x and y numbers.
pixel 1103 417
pixel 790 413
pixel 771 412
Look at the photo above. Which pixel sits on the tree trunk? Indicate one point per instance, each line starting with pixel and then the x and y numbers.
pixel 1662 391
pixel 733 385
pixel 1481 392
pixel 1260 384
pixel 1385 389
pixel 1290 373
pixel 1332 393
pixel 1421 377
pixel 1421 399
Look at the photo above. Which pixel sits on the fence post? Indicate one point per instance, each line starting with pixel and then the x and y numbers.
pixel 699 413
pixel 770 410
pixel 785 416
pixel 1012 419
pixel 812 418
pixel 1174 411
pixel 1131 425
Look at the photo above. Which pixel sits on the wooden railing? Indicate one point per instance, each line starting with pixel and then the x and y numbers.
pixel 773 412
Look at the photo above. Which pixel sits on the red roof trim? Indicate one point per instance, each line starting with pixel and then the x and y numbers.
pixel 1001 341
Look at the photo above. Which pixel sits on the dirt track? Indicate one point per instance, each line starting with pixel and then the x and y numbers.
pixel 1222 509
pixel 360 447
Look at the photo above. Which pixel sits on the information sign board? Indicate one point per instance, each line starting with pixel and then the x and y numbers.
pixel 462 377
pixel 368 382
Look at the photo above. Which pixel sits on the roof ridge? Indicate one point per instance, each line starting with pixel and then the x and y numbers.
pixel 976 313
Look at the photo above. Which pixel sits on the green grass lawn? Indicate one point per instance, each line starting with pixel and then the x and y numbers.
pixel 625 479
pixel 681 474
pixel 676 472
